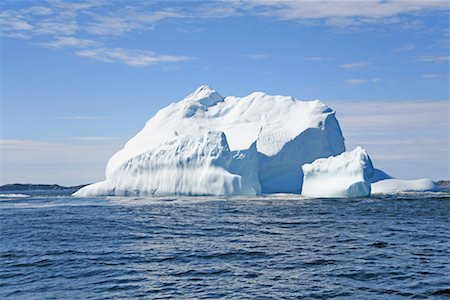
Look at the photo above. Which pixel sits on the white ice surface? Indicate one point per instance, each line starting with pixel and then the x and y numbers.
pixel 344 175
pixel 393 186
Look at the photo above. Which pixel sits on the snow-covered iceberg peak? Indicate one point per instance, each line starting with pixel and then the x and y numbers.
pixel 268 138
pixel 205 95
pixel 344 175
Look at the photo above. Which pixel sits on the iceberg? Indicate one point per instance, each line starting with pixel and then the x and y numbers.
pixel 394 186
pixel 207 144
pixel 344 175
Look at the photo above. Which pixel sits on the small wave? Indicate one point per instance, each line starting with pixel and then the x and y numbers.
pixel 379 245
pixel 14 195
pixel 443 292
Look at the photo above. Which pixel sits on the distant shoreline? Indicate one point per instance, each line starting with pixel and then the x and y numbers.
pixel 442 183
pixel 38 187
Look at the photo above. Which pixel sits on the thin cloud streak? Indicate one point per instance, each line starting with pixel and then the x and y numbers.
pixel 135 58
pixel 340 13
pixel 355 65
pixel 258 56
pixel 355 81
pixel 434 58
pixel 318 58
pixel 405 48
pixel 131 20
pixel 434 76
pixel 64 41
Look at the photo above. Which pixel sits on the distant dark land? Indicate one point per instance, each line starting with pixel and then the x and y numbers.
pixel 38 187
pixel 443 183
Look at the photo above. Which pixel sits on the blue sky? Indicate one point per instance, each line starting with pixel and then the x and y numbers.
pixel 78 79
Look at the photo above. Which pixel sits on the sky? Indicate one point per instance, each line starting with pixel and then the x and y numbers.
pixel 78 79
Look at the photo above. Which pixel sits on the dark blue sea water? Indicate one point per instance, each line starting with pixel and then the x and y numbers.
pixel 273 247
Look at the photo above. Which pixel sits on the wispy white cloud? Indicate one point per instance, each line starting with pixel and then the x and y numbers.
pixel 72 25
pixel 341 13
pixel 56 28
pixel 355 65
pixel 355 81
pixel 130 19
pixel 14 25
pixel 37 10
pixel 434 58
pixel 258 56
pixel 404 48
pixel 219 9
pixel 135 58
pixel 434 76
pixel 288 9
pixel 111 19
pixel 20 25
pixel 69 41
pixel 87 20
pixel 318 58
pixel 74 6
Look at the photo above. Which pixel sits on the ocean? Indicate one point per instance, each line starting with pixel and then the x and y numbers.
pixel 267 247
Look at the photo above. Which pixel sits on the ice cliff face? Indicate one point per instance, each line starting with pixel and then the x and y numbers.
pixel 208 144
